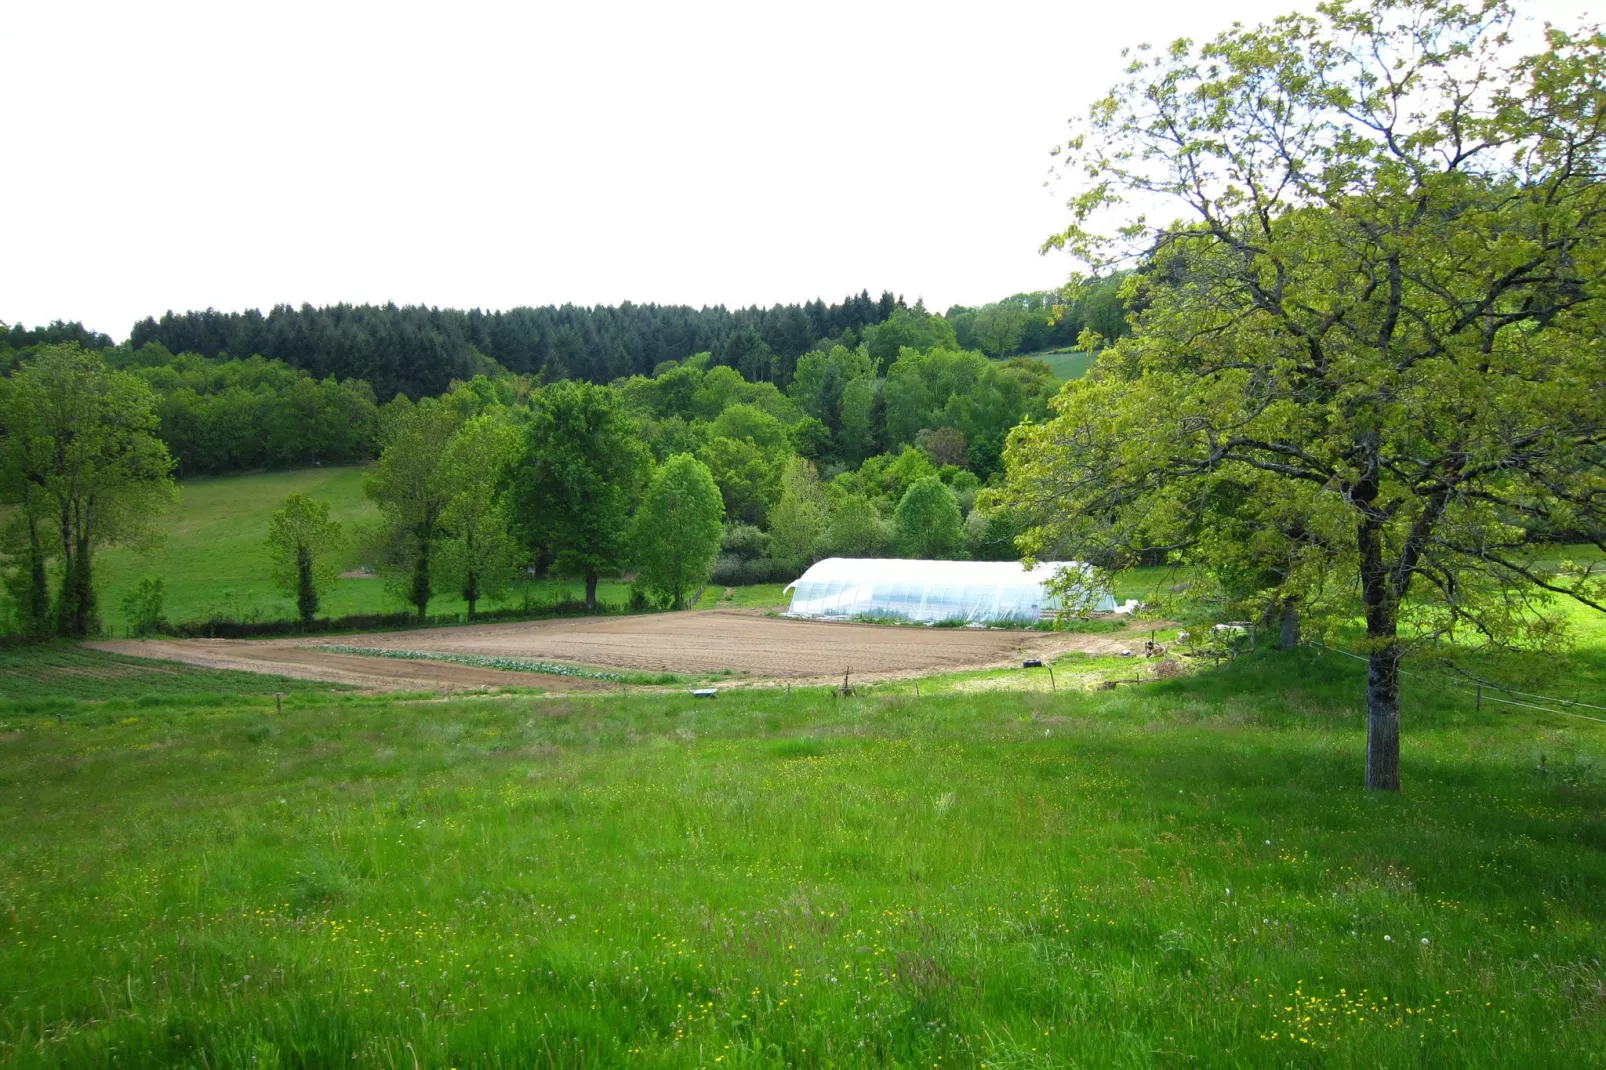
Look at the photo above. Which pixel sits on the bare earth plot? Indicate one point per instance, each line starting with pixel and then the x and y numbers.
pixel 751 644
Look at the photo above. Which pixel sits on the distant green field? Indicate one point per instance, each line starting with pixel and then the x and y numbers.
pixel 1071 365
pixel 214 559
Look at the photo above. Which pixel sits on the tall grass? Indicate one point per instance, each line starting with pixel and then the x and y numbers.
pixel 1187 872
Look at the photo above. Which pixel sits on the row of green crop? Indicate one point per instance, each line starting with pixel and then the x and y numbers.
pixel 508 664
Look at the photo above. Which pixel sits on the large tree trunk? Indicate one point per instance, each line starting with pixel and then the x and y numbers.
pixel 1383 719
pixel 1383 665
pixel 591 590
pixel 421 591
pixel 1290 632
pixel 78 592
pixel 306 593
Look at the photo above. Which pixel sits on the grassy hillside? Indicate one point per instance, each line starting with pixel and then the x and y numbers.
pixel 1071 365
pixel 214 558
pixel 1186 872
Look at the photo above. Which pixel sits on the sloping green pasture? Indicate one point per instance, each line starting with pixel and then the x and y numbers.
pixel 1185 872
pixel 214 559
pixel 1065 364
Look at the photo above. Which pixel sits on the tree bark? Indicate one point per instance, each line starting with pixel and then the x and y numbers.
pixel 1383 665
pixel 591 590
pixel 421 591
pixel 78 592
pixel 306 593
pixel 1290 632
pixel 1383 719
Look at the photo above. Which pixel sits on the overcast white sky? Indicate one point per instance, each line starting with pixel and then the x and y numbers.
pixel 238 155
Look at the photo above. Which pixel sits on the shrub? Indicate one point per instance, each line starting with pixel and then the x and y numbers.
pixel 744 542
pixel 143 607
pixel 732 571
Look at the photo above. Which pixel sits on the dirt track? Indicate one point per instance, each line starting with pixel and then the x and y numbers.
pixel 751 644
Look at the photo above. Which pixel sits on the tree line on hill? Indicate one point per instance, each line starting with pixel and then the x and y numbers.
pixel 692 475
pixel 220 414
pixel 419 351
pixel 879 447
pixel 1083 315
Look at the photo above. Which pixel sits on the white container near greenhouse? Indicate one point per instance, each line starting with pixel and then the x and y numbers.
pixel 974 592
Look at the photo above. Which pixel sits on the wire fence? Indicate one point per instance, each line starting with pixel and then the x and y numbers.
pixel 1479 686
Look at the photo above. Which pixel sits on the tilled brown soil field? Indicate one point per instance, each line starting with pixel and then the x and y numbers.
pixel 754 646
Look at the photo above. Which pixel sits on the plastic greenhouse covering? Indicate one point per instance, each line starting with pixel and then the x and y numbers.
pixel 976 592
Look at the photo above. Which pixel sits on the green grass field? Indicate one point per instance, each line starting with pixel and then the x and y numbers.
pixel 43 677
pixel 1186 872
pixel 1065 365
pixel 214 559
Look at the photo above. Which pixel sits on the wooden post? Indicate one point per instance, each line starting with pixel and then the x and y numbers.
pixel 277 708
pixel 1052 686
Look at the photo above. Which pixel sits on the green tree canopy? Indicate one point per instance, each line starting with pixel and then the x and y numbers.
pixel 753 424
pixel 907 328
pixel 856 529
pixel 927 520
pixel 677 532
pixel 1382 306
pixel 582 468
pixel 998 328
pixel 302 543
pixel 748 477
pixel 479 553
pixel 82 458
pixel 410 487
pixel 798 519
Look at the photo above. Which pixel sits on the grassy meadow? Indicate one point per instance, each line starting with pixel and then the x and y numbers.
pixel 1066 364
pixel 214 558
pixel 1182 873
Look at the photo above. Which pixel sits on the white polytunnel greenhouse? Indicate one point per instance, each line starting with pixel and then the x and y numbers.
pixel 976 592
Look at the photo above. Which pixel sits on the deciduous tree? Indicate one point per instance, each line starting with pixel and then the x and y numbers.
pixel 302 543
pixel 677 532
pixel 581 472
pixel 927 520
pixel 857 530
pixel 797 522
pixel 479 551
pixel 998 328
pixel 83 453
pixel 410 487
pixel 1382 303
